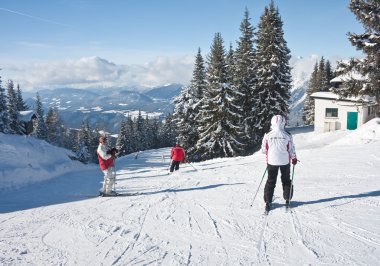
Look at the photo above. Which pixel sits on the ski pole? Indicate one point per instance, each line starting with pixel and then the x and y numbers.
pixel 192 166
pixel 259 186
pixel 291 185
pixel 114 175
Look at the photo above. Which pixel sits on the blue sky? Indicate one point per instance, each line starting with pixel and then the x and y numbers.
pixel 148 34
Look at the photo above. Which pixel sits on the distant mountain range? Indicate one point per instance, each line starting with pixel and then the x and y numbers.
pixel 105 108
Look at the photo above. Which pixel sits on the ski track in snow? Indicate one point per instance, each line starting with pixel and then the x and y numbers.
pixel 202 217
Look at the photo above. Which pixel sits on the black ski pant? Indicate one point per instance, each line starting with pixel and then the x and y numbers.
pixel 174 165
pixel 272 179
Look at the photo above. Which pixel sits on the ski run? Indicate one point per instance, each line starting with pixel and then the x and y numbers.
pixel 200 215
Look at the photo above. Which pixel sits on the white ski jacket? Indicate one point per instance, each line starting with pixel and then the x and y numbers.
pixel 278 144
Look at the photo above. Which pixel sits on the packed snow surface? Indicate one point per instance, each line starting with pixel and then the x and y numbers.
pixel 200 215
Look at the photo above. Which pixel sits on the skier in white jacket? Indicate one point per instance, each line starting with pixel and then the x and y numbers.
pixel 280 151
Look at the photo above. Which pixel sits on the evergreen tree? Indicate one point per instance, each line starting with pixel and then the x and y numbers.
pixel 148 133
pixel 94 143
pixel 168 132
pixel 21 105
pixel 219 132
pixel 121 142
pixel 140 131
pixel 368 13
pixel 309 108
pixel 84 152
pixel 55 127
pixel 39 126
pixel 154 128
pixel 323 80
pixel 187 109
pixel 14 122
pixel 69 139
pixel 329 73
pixel 13 112
pixel 230 61
pixel 131 135
pixel 245 77
pixel 273 70
pixel 183 117
pixel 4 119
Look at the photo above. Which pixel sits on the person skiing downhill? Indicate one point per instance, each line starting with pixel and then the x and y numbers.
pixel 177 155
pixel 279 148
pixel 107 165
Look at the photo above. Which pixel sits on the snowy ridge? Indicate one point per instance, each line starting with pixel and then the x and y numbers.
pixel 201 215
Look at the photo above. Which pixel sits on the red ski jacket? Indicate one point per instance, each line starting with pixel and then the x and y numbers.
pixel 105 160
pixel 178 153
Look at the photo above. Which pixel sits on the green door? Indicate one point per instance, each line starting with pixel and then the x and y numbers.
pixel 352 120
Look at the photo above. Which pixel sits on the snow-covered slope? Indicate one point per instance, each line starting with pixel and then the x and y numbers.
pixel 25 160
pixel 202 215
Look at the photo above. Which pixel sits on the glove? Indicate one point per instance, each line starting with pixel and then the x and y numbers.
pixel 114 151
pixel 294 161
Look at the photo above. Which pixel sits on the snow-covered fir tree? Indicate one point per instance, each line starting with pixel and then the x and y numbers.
pixel 368 13
pixel 319 81
pixel 220 111
pixel 148 132
pixel 273 70
pixel 181 117
pixel 123 140
pixel 329 73
pixel 187 109
pixel 309 107
pixel 21 105
pixel 69 139
pixel 167 133
pixel 85 150
pixel 39 126
pixel 230 61
pixel 245 77
pixel 154 129
pixel 140 131
pixel 131 135
pixel 55 127
pixel 13 112
pixel 323 76
pixel 94 143
pixel 4 119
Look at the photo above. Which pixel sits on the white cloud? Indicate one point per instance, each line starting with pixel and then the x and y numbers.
pixel 95 72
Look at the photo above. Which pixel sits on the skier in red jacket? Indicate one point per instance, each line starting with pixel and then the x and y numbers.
pixel 107 165
pixel 177 156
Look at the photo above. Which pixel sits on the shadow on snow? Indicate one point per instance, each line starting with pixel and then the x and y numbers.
pixel 375 193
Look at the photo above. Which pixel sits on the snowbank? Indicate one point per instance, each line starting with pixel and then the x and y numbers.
pixel 367 133
pixel 25 160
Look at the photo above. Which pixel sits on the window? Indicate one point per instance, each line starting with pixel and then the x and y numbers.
pixel 331 112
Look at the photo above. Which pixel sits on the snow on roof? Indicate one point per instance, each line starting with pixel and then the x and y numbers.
pixel 333 96
pixel 26 115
